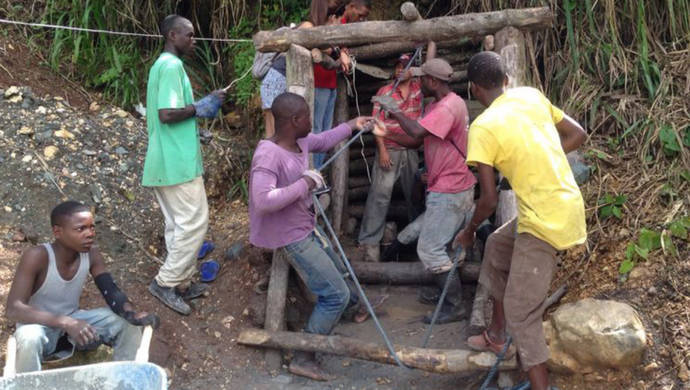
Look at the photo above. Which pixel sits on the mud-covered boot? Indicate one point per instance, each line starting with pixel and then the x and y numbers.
pixel 452 309
pixel 391 251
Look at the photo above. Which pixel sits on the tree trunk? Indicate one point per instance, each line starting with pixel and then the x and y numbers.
pixel 442 361
pixel 275 304
pixel 340 170
pixel 436 29
pixel 401 273
pixel 387 49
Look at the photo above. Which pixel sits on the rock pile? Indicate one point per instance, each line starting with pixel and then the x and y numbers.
pixel 50 151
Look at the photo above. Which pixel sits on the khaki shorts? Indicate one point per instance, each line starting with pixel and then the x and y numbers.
pixel 518 269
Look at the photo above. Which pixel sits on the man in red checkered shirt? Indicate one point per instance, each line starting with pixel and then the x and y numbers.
pixel 394 160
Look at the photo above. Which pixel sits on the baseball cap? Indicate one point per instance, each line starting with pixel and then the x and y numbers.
pixel 435 67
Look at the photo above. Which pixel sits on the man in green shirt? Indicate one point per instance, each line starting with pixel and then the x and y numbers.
pixel 173 165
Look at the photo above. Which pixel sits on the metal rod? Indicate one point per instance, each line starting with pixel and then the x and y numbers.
pixel 362 295
pixel 342 149
pixel 458 255
pixel 407 67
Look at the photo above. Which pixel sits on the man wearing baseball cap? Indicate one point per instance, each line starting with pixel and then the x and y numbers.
pixel 395 160
pixel 450 190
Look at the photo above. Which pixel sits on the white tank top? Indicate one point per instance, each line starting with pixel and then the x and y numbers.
pixel 56 295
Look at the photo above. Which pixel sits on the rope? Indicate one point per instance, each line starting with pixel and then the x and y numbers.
pixel 359 113
pixel 456 262
pixel 494 368
pixel 98 31
pixel 362 295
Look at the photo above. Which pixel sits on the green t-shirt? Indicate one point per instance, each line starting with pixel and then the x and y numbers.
pixel 174 151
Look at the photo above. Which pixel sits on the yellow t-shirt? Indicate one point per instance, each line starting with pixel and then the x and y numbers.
pixel 516 134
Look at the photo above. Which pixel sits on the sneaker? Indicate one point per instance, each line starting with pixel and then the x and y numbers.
pixel 170 298
pixel 195 290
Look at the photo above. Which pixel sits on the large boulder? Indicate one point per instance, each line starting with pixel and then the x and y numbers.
pixel 591 334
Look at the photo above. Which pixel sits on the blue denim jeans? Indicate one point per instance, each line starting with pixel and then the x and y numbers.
pixel 445 214
pixel 324 104
pixel 36 342
pixel 324 274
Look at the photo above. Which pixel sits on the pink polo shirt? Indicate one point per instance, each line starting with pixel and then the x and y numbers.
pixel 447 120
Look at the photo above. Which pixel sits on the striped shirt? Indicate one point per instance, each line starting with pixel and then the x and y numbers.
pixel 411 107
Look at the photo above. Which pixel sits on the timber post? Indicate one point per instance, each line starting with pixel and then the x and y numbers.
pixel 509 42
pixel 275 305
pixel 340 170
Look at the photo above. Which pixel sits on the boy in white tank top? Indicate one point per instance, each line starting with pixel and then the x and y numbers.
pixel 44 297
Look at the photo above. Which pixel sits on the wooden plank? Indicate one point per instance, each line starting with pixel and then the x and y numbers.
pixel 340 170
pixel 275 305
pixel 388 49
pixel 402 273
pixel 435 29
pixel 441 361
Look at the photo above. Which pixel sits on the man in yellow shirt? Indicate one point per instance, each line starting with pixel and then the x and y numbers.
pixel 526 139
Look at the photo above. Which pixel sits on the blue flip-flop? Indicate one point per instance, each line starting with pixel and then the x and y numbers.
pixel 209 270
pixel 206 248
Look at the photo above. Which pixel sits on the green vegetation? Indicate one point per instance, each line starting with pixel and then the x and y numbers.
pixel 610 205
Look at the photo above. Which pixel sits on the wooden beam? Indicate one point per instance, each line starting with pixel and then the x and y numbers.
pixel 436 29
pixel 441 361
pixel 340 170
pixel 411 272
pixel 388 49
pixel 410 12
pixel 275 305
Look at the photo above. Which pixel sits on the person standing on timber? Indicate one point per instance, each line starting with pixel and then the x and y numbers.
pixel 450 184
pixel 173 165
pixel 325 80
pixel 45 293
pixel 526 138
pixel 281 215
pixel 395 160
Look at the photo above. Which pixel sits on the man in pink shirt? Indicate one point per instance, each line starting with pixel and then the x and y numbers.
pixel 450 189
pixel 281 215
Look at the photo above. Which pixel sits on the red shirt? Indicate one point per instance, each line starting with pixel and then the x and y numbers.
pixel 324 78
pixel 447 120
pixel 411 107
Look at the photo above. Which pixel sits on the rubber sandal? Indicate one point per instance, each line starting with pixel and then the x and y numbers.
pixel 209 270
pixel 206 248
pixel 482 343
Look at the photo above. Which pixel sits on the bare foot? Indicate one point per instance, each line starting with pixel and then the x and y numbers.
pixel 309 369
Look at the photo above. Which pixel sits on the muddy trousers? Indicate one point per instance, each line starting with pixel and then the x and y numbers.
pixel 185 210
pixel 323 272
pixel 517 269
pixel 36 342
pixel 405 165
